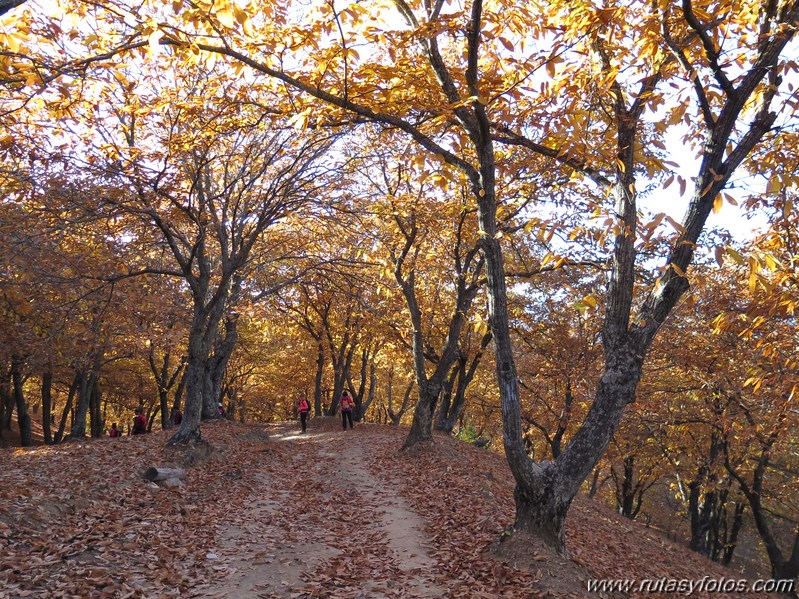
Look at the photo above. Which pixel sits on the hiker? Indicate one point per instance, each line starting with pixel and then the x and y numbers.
pixel 221 410
pixel 176 416
pixel 303 407
pixel 346 404
pixel 139 422
pixel 114 432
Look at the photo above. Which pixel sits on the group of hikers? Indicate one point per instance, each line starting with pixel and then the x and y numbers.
pixel 139 426
pixel 346 405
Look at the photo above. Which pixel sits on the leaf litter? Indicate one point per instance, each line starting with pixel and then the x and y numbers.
pixel 268 513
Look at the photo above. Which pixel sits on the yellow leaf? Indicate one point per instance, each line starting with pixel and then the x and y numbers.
pixel 590 300
pixel 9 41
pixel 735 255
pixel 226 17
pixel 718 203
pixel 771 263
pixel 774 185
pixel 241 15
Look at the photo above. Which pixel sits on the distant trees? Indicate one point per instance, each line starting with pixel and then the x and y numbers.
pixel 535 122
pixel 216 182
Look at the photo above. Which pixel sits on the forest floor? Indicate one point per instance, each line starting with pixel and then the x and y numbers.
pixel 271 513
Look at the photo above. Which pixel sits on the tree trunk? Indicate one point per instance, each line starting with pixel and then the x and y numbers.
pixel 177 399
pixel 95 403
pixel 731 542
pixel 78 428
pixel 73 389
pixel 556 484
pixel 465 377
pixel 542 509
pixel 23 418
pixel 445 399
pixel 341 369
pixel 6 401
pixel 47 405
pixel 217 364
pixel 396 417
pixel 201 337
pixel 370 396
pixel 422 423
pixel 700 510
pixel 320 371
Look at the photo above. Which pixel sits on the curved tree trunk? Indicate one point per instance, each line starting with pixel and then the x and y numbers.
pixel 73 389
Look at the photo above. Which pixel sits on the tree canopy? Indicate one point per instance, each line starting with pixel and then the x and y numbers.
pixel 241 202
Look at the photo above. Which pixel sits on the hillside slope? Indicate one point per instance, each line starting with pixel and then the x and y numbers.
pixel 270 513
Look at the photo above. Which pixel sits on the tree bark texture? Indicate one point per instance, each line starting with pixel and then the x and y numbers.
pixel 23 418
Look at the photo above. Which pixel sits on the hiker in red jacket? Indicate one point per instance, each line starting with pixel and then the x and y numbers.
pixel 303 407
pixel 139 422
pixel 114 432
pixel 346 404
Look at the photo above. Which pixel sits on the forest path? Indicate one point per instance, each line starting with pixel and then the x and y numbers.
pixel 320 523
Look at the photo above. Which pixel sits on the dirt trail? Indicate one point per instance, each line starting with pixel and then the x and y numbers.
pixel 316 529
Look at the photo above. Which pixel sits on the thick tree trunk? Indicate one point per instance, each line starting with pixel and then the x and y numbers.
pixel 23 418
pixel 78 428
pixel 454 412
pixel 422 425
pixel 201 337
pixel 629 492
pixel 542 509
pixel 47 405
pixel 705 508
pixel 341 369
pixel 700 510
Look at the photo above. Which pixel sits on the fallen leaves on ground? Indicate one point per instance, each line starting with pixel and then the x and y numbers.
pixel 295 518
